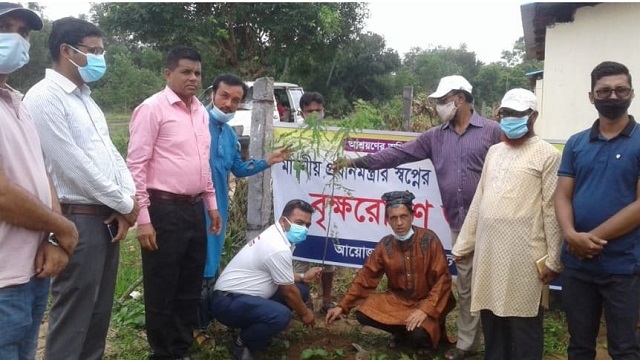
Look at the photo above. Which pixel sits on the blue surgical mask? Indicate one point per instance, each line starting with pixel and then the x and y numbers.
pixel 95 68
pixel 219 116
pixel 406 236
pixel 297 233
pixel 14 52
pixel 513 127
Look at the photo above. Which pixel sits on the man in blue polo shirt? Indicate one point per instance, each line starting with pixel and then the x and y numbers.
pixel 598 208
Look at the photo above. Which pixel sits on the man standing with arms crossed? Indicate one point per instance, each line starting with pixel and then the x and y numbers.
pixel 457 149
pixel 95 188
pixel 29 208
pixel 169 159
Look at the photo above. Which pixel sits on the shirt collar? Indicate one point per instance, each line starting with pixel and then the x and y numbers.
pixel 9 91
pixel 627 131
pixel 475 120
pixel 282 234
pixel 173 98
pixel 65 84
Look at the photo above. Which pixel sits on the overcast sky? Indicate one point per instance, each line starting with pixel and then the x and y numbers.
pixel 486 27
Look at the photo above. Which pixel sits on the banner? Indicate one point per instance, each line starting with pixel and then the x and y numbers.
pixel 350 212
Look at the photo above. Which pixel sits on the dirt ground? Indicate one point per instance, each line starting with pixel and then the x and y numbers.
pixel 341 336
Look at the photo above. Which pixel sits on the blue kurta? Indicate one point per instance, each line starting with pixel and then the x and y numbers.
pixel 225 156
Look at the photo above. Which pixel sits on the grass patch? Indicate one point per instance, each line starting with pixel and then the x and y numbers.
pixel 127 338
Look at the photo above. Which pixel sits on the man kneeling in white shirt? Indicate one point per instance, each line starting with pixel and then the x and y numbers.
pixel 258 289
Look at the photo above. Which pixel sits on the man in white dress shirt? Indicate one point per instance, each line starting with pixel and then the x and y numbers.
pixel 93 183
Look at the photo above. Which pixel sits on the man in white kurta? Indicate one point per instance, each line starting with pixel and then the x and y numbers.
pixel 511 224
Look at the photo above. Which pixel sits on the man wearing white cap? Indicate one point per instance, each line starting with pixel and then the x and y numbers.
pixel 457 149
pixel 510 225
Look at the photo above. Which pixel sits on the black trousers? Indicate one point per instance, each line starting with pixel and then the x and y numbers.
pixel 507 338
pixel 173 277
pixel 418 336
pixel 585 296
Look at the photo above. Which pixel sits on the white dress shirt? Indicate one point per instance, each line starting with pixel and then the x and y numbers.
pixel 84 165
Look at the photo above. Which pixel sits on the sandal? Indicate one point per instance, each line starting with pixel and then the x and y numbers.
pixel 395 340
pixel 326 307
pixel 457 354
pixel 203 339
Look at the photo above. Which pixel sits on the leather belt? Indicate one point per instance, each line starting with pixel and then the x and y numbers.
pixel 86 209
pixel 175 198
pixel 217 293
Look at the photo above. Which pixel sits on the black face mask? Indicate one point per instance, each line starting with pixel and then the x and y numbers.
pixel 612 108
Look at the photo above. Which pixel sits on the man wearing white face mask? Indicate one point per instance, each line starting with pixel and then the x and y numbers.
pixel 457 149
pixel 96 190
pixel 258 289
pixel 418 297
pixel 511 224
pixel 228 91
pixel 29 208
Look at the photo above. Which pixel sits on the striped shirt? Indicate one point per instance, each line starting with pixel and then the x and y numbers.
pixel 457 160
pixel 84 165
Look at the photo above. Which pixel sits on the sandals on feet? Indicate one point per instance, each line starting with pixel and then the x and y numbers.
pixel 203 339
pixel 395 340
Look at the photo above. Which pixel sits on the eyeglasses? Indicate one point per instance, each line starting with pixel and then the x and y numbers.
pixel 92 50
pixel 621 92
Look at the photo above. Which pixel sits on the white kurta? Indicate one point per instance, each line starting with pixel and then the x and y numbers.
pixel 510 225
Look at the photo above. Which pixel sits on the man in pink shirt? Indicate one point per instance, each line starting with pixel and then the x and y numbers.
pixel 29 208
pixel 169 160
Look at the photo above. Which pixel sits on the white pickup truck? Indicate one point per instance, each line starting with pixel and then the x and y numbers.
pixel 286 97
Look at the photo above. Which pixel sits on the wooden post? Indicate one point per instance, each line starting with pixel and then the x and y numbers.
pixel 260 196
pixel 407 100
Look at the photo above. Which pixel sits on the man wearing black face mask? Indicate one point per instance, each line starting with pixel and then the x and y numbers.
pixel 597 204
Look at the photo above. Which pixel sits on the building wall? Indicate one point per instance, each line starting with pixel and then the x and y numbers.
pixel 609 31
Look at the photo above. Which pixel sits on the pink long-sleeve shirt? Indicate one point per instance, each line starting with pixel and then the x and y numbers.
pixel 169 149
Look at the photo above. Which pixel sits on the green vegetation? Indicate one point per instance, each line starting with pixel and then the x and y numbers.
pixel 320 46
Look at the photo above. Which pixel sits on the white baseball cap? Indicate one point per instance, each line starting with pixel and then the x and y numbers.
pixel 519 100
pixel 449 83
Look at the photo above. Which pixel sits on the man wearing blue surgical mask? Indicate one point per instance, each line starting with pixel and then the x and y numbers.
pixel 228 92
pixel 418 296
pixel 93 183
pixel 510 227
pixel 258 289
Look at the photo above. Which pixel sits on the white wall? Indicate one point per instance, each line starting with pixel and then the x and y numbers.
pixel 609 31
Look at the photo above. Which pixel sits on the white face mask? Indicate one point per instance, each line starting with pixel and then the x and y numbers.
pixel 447 111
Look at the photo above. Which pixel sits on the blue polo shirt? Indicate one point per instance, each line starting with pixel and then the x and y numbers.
pixel 606 176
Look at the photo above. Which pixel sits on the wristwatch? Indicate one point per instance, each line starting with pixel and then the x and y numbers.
pixel 53 240
pixel 301 277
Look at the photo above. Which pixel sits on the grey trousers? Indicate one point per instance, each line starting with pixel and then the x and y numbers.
pixel 469 329
pixel 83 294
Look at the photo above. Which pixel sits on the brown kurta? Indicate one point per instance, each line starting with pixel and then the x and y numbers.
pixel 418 278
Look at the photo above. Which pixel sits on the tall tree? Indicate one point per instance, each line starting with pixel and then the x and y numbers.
pixel 252 39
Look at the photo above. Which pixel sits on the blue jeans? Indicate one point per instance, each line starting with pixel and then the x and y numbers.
pixel 584 296
pixel 259 319
pixel 21 311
